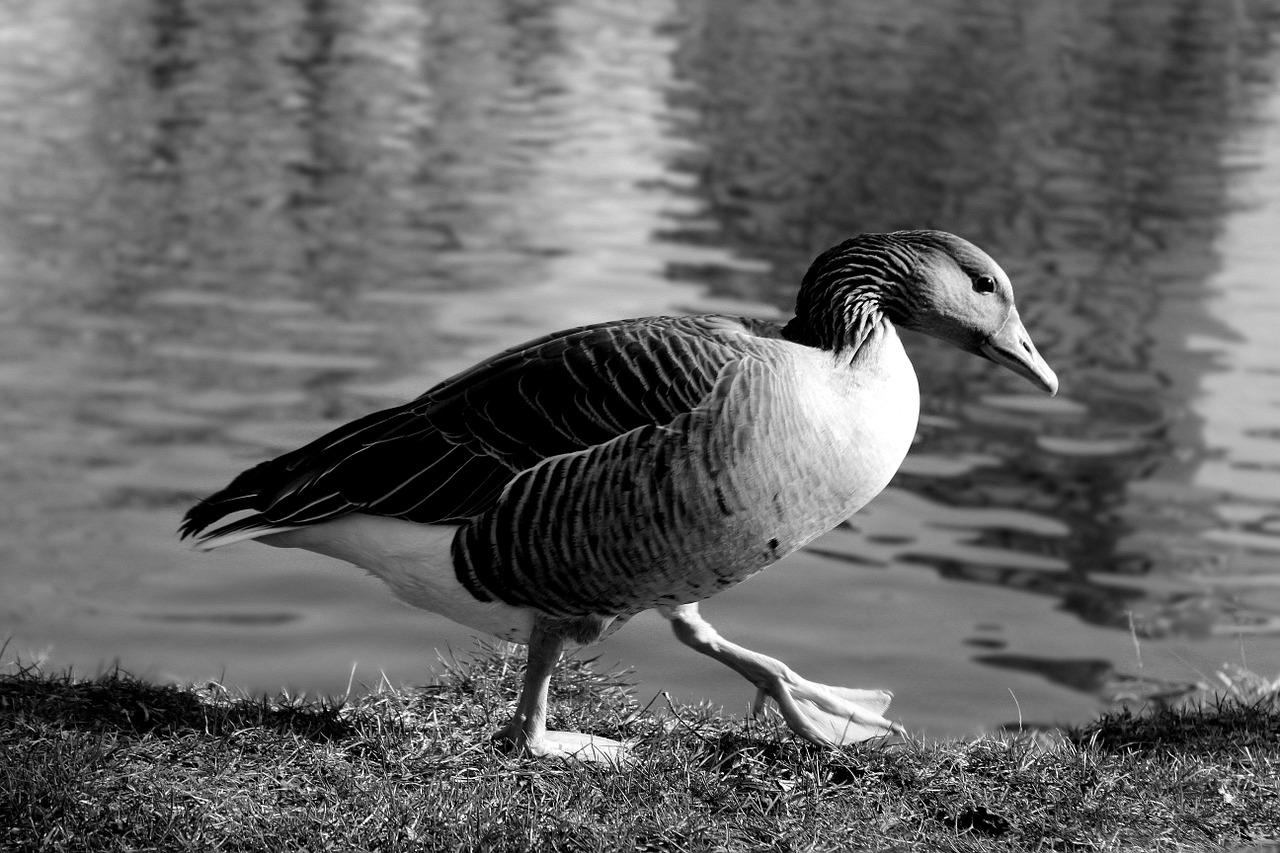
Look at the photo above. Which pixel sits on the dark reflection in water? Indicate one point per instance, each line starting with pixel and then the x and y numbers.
pixel 227 227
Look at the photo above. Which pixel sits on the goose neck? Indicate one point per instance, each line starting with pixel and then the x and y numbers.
pixel 843 326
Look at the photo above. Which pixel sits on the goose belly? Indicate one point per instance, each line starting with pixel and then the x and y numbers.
pixel 415 562
pixel 789 500
pixel 811 461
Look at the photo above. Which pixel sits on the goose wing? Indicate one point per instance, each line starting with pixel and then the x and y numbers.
pixel 663 514
pixel 447 455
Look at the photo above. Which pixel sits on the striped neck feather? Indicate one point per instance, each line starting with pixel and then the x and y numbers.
pixel 850 290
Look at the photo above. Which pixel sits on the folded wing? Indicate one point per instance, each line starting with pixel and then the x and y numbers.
pixel 447 456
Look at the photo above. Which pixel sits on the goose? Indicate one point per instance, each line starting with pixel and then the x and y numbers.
pixel 558 488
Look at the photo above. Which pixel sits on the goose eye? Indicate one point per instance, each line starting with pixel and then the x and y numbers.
pixel 984 284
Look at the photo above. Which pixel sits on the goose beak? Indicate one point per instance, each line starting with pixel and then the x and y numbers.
pixel 1011 347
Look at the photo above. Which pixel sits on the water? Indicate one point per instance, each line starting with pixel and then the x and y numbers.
pixel 226 228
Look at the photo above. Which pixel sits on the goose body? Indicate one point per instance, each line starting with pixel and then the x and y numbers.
pixel 556 489
pixel 779 452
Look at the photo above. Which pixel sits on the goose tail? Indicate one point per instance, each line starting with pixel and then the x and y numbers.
pixel 249 527
pixel 247 493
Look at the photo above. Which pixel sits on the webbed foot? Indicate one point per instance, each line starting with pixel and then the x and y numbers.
pixel 826 714
pixel 575 745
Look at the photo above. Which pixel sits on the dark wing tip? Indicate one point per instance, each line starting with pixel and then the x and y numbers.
pixel 209 511
pixel 189 526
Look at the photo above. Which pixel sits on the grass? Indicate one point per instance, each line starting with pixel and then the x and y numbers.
pixel 114 763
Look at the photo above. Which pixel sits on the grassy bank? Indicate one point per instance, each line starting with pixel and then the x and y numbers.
pixel 113 763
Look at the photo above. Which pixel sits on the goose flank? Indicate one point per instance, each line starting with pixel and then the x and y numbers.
pixel 556 489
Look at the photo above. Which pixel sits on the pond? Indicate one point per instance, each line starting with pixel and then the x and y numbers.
pixel 227 228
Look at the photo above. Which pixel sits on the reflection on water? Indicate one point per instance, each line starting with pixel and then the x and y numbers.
pixel 226 228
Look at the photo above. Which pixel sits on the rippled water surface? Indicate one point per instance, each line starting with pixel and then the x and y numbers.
pixel 226 228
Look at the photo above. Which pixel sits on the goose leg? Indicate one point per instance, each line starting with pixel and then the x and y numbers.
pixel 821 713
pixel 527 732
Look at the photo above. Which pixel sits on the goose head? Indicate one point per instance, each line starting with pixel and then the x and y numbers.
pixel 928 281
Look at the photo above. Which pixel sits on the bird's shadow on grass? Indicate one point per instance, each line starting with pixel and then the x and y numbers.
pixel 117 701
